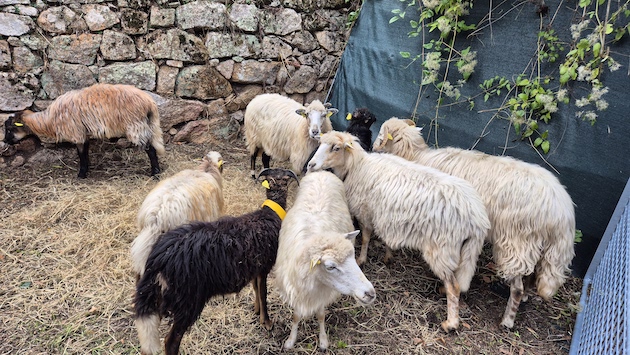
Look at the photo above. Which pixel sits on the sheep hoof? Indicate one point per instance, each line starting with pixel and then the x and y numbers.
pixel 289 344
pixel 361 261
pixel 268 324
pixel 448 326
pixel 507 323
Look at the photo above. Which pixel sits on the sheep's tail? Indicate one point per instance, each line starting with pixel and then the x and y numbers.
pixel 141 247
pixel 154 122
pixel 471 249
pixel 146 304
pixel 553 268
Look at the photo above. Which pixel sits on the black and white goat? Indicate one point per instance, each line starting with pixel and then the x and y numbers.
pixel 195 262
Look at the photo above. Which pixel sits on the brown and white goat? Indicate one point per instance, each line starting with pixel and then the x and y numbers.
pixel 100 111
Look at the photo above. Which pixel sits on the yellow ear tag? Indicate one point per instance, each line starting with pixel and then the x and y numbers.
pixel 314 262
pixel 18 124
pixel 389 137
pixel 329 114
pixel 220 163
pixel 349 116
pixel 348 145
pixel 265 184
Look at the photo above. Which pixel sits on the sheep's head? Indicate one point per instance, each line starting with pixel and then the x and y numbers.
pixel 318 117
pixel 335 152
pixel 15 129
pixel 399 137
pixel 333 261
pixel 276 181
pixel 363 117
pixel 215 159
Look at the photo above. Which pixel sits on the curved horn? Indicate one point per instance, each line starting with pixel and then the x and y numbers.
pixel 327 105
pixel 292 174
pixel 263 172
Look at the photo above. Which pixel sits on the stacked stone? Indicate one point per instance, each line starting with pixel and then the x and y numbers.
pixel 204 60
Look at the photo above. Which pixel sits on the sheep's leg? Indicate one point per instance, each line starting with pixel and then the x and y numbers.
pixel 388 254
pixel 252 160
pixel 528 284
pixel 452 304
pixel 256 298
pixel 516 294
pixel 366 233
pixel 265 160
pixel 84 161
pixel 155 165
pixel 261 296
pixel 290 342
pixel 174 338
pixel 323 337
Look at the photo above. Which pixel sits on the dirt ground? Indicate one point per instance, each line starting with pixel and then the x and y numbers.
pixel 66 285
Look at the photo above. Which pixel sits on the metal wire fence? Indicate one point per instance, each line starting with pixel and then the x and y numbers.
pixel 603 325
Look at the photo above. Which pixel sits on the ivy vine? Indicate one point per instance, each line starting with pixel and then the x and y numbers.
pixel 530 99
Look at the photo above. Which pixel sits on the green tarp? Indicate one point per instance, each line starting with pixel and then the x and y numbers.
pixel 593 161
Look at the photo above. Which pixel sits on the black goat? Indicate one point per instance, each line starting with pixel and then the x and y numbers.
pixel 191 264
pixel 360 122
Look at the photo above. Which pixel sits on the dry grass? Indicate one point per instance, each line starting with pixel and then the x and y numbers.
pixel 66 285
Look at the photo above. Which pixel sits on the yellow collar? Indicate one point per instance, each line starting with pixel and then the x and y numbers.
pixel 276 208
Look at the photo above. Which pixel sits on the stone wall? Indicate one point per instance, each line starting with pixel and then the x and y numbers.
pixel 203 60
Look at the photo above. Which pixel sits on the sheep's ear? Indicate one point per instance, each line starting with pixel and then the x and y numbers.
pixel 301 112
pixel 265 184
pixel 315 262
pixel 352 235
pixel 419 129
pixel 410 122
pixel 349 116
pixel 348 145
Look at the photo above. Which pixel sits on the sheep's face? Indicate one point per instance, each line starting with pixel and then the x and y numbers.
pixel 391 134
pixel 332 153
pixel 215 159
pixel 15 130
pixel 337 268
pixel 277 180
pixel 316 114
pixel 363 117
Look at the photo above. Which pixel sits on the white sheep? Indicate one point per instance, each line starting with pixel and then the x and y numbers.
pixel 532 215
pixel 98 112
pixel 281 128
pixel 190 195
pixel 316 262
pixel 412 206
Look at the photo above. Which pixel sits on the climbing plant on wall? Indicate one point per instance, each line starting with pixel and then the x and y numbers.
pixel 530 98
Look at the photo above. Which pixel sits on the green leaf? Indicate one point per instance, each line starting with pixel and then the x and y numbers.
pixel 26 284
pixel 609 28
pixel 394 19
pixel 405 54
pixel 522 82
pixel 584 3
pixel 545 147
pixel 538 142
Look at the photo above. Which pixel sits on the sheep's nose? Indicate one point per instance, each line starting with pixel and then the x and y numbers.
pixel 311 165
pixel 370 296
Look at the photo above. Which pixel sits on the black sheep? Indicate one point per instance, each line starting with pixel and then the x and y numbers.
pixel 360 123
pixel 195 262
